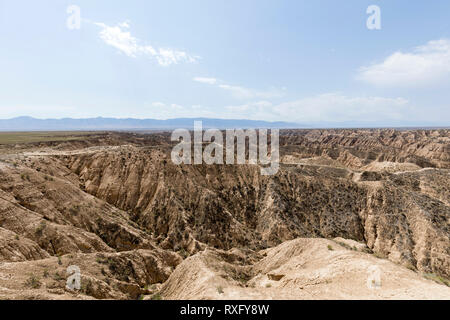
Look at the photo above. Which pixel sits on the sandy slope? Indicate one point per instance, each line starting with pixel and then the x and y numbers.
pixel 301 269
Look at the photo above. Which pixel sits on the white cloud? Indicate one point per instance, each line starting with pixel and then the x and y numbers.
pixel 329 107
pixel 238 92
pixel 337 107
pixel 423 66
pixel 176 106
pixel 205 80
pixel 246 93
pixel 122 40
pixel 119 39
pixel 242 92
pixel 125 24
pixel 158 104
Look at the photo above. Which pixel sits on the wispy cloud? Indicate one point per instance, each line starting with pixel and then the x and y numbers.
pixel 328 107
pixel 241 92
pixel 205 80
pixel 246 93
pixel 423 66
pixel 120 38
pixel 337 107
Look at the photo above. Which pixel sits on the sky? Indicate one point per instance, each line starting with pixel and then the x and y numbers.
pixel 296 61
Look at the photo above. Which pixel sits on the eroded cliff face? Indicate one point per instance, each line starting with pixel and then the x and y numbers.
pixel 397 214
pixel 121 194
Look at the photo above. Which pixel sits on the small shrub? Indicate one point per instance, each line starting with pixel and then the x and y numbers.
pixel 100 260
pixel 86 287
pixel 41 228
pixel 17 237
pixel 410 267
pixel 268 285
pixel 156 296
pixel 367 250
pixel 343 244
pixel 183 253
pixel 58 277
pixel 74 210
pixel 33 282
pixel 379 255
pixel 330 248
pixel 220 290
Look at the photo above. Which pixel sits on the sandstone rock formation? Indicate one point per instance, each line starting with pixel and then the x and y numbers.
pixel 138 225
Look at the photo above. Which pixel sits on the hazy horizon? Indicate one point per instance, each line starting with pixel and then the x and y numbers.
pixel 26 123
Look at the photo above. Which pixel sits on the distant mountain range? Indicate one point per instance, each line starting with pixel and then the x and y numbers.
pixel 68 124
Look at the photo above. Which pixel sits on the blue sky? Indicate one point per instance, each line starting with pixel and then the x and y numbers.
pixel 301 61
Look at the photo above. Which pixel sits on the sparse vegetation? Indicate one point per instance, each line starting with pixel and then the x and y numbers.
pixel 183 253
pixel 437 278
pixel 268 285
pixel 346 246
pixel 33 282
pixel 74 210
pixel 100 260
pixel 40 229
pixel 379 255
pixel 330 248
pixel 220 289
pixel 156 296
pixel 367 250
pixel 58 277
pixel 411 267
pixel 87 287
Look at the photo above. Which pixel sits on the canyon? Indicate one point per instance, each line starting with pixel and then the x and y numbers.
pixel 343 202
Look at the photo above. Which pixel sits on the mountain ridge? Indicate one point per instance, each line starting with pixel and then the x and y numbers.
pixel 27 123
